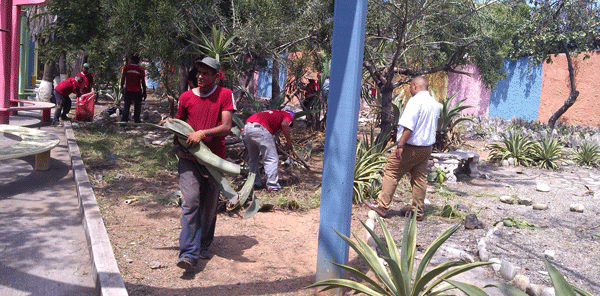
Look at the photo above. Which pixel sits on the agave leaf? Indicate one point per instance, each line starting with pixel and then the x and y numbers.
pixel 253 208
pixel 362 276
pixel 468 289
pixel 433 247
pixel 246 189
pixel 344 283
pixel 507 290
pixel 561 286
pixel 393 259
pixel 454 271
pixel 421 281
pixel 407 250
pixel 581 292
pixel 370 257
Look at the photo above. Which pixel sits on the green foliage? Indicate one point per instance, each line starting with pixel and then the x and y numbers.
pixel 437 176
pixel 399 278
pixel 512 222
pixel 514 145
pixel 547 153
pixel 367 166
pixel 449 118
pixel 588 153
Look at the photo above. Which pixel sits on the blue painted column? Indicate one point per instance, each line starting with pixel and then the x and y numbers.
pixel 340 135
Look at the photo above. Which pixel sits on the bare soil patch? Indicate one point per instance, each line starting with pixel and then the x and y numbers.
pixel 274 252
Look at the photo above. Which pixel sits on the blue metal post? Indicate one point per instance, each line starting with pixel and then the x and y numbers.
pixel 340 136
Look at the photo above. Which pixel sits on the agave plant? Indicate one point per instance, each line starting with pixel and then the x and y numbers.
pixel 398 278
pixel 588 153
pixel 514 145
pixel 449 119
pixel 367 166
pixel 561 286
pixel 547 153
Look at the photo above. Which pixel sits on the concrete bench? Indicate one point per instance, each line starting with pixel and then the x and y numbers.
pixel 32 105
pixel 33 142
pixel 458 161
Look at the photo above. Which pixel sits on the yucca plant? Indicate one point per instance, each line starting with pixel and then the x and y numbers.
pixel 397 279
pixel 547 153
pixel 560 284
pixel 448 120
pixel 515 145
pixel 588 153
pixel 367 166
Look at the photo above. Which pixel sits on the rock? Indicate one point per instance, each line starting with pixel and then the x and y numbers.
pixel 155 265
pixel 540 207
pixel 372 215
pixel 462 208
pixel 427 202
pixel 129 260
pixel 481 244
pixel 507 199
pixel 534 290
pixel 154 118
pixel 577 208
pixel 464 256
pixel 549 254
pixel 371 242
pixel 370 223
pixel 496 263
pixel 548 291
pixel 511 161
pixel 507 270
pixel 484 255
pixel 526 201
pixel 505 163
pixel 543 187
pixel 471 222
pixel 521 282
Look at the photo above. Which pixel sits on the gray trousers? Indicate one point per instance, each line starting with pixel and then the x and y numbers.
pixel 259 141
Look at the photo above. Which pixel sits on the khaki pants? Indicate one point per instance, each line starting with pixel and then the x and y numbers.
pixel 414 161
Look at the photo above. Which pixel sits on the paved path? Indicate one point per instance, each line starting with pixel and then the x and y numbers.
pixel 43 248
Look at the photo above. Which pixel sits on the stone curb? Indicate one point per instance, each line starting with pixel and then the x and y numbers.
pixel 105 270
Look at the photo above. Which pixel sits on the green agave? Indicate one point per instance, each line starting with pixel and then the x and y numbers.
pixel 514 145
pixel 398 279
pixel 587 153
pixel 548 153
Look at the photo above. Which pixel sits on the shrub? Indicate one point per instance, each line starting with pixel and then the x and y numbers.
pixel 367 166
pixel 449 119
pixel 547 153
pixel 587 153
pixel 397 278
pixel 515 145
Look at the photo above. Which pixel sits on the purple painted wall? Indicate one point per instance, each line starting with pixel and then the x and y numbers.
pixel 470 88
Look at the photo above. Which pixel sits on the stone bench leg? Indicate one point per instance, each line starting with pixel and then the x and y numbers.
pixel 42 161
pixel 46 115
pixel 472 163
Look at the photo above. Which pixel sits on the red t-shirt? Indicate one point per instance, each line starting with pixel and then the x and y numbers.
pixel 205 112
pixel 270 119
pixel 86 83
pixel 68 86
pixel 133 77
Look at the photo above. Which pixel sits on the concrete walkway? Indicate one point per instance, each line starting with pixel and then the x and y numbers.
pixel 52 238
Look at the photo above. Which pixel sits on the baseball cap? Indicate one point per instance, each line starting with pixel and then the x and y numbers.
pixel 86 65
pixel 210 62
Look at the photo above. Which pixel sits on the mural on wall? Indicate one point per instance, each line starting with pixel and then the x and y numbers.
pixel 517 95
pixel 556 88
pixel 470 88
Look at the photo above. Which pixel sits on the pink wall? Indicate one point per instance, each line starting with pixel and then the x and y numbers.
pixel 471 88
pixel 555 90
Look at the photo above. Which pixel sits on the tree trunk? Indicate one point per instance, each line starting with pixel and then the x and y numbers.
pixel 46 86
pixel 62 66
pixel 572 95
pixel 183 84
pixel 275 91
pixel 387 93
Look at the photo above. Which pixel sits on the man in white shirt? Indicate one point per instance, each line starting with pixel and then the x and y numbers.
pixel 416 136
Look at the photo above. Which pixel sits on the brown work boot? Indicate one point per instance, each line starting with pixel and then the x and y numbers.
pixel 375 207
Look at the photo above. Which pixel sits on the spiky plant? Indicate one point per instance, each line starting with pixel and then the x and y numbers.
pixel 367 166
pixel 515 145
pixel 448 120
pixel 548 153
pixel 588 153
pixel 398 279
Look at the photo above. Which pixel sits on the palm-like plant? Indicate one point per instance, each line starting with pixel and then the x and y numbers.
pixel 548 153
pixel 367 166
pixel 587 153
pixel 449 119
pixel 398 278
pixel 514 145
pixel 219 46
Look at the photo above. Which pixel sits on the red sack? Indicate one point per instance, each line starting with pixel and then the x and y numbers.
pixel 84 107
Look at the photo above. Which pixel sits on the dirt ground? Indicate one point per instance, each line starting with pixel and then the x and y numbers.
pixel 274 252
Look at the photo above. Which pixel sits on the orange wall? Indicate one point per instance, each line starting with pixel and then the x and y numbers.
pixel 555 90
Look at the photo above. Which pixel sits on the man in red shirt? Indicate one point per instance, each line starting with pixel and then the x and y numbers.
pixel 258 138
pixel 87 79
pixel 208 108
pixel 133 87
pixel 62 100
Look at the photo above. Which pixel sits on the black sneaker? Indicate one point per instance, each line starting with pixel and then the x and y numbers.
pixel 185 263
pixel 65 118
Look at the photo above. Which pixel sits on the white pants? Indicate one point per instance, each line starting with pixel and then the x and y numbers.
pixel 259 141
